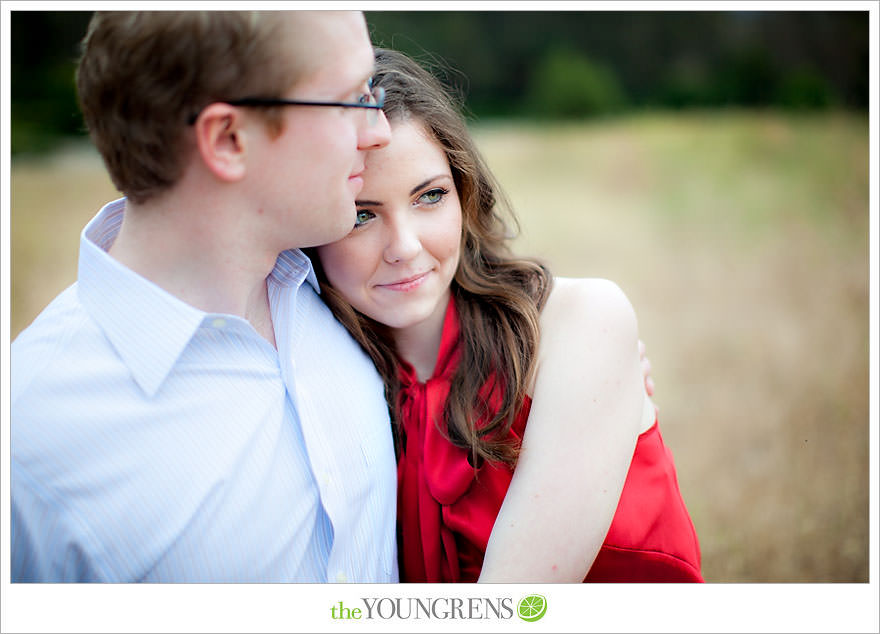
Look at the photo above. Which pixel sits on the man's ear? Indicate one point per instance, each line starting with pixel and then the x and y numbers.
pixel 222 141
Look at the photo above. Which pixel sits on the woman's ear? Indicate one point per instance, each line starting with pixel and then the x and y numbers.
pixel 221 141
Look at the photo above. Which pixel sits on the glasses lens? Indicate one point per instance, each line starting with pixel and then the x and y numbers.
pixel 377 98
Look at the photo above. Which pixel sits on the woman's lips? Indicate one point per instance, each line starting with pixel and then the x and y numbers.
pixel 406 284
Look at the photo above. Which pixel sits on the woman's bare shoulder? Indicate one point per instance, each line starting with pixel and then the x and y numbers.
pixel 577 302
pixel 585 320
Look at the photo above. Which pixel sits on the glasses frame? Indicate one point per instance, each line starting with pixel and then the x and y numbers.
pixel 377 95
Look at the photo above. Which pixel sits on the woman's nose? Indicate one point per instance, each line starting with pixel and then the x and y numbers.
pixel 403 242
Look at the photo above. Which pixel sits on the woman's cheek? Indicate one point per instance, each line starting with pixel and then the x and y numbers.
pixel 337 265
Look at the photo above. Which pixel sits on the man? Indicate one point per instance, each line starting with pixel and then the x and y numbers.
pixel 189 410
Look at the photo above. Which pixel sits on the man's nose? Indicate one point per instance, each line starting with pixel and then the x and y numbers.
pixel 375 136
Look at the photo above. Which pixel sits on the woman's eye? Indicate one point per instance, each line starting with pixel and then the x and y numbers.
pixel 365 96
pixel 433 197
pixel 363 216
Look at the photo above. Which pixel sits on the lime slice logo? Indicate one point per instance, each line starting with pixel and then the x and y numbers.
pixel 532 607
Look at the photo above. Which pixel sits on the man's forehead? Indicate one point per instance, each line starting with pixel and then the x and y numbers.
pixel 322 29
pixel 335 43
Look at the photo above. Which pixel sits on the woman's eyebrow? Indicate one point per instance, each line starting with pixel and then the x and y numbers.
pixel 367 203
pixel 427 182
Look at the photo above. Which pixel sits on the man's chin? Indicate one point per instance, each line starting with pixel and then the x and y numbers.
pixel 343 228
pixel 356 184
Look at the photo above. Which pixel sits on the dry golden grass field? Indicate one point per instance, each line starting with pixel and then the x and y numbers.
pixel 742 241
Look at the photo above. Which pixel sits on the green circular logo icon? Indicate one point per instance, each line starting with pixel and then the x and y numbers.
pixel 532 607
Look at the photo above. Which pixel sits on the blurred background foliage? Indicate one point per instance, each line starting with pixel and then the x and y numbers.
pixel 546 64
pixel 574 64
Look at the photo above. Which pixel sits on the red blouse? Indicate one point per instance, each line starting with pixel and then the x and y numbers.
pixel 446 508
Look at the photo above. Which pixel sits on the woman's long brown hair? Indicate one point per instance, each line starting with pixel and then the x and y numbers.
pixel 498 297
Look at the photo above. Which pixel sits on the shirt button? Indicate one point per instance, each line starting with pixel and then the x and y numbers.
pixel 341 577
pixel 219 323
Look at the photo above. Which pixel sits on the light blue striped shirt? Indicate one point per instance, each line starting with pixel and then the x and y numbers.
pixel 152 441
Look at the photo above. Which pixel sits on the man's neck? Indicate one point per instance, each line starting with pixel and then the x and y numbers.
pixel 212 261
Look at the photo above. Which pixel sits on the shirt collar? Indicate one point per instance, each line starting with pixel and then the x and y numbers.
pixel 292 268
pixel 148 326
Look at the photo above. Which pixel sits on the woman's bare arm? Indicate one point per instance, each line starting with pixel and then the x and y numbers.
pixel 588 407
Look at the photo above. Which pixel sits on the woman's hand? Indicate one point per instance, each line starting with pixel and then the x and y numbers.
pixel 646 373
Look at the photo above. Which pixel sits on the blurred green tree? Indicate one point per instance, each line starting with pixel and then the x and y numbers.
pixel 44 49
pixel 567 85
pixel 806 89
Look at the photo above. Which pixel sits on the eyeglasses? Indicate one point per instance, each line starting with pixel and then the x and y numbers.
pixel 372 102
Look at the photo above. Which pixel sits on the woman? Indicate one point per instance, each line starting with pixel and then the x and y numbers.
pixel 528 450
